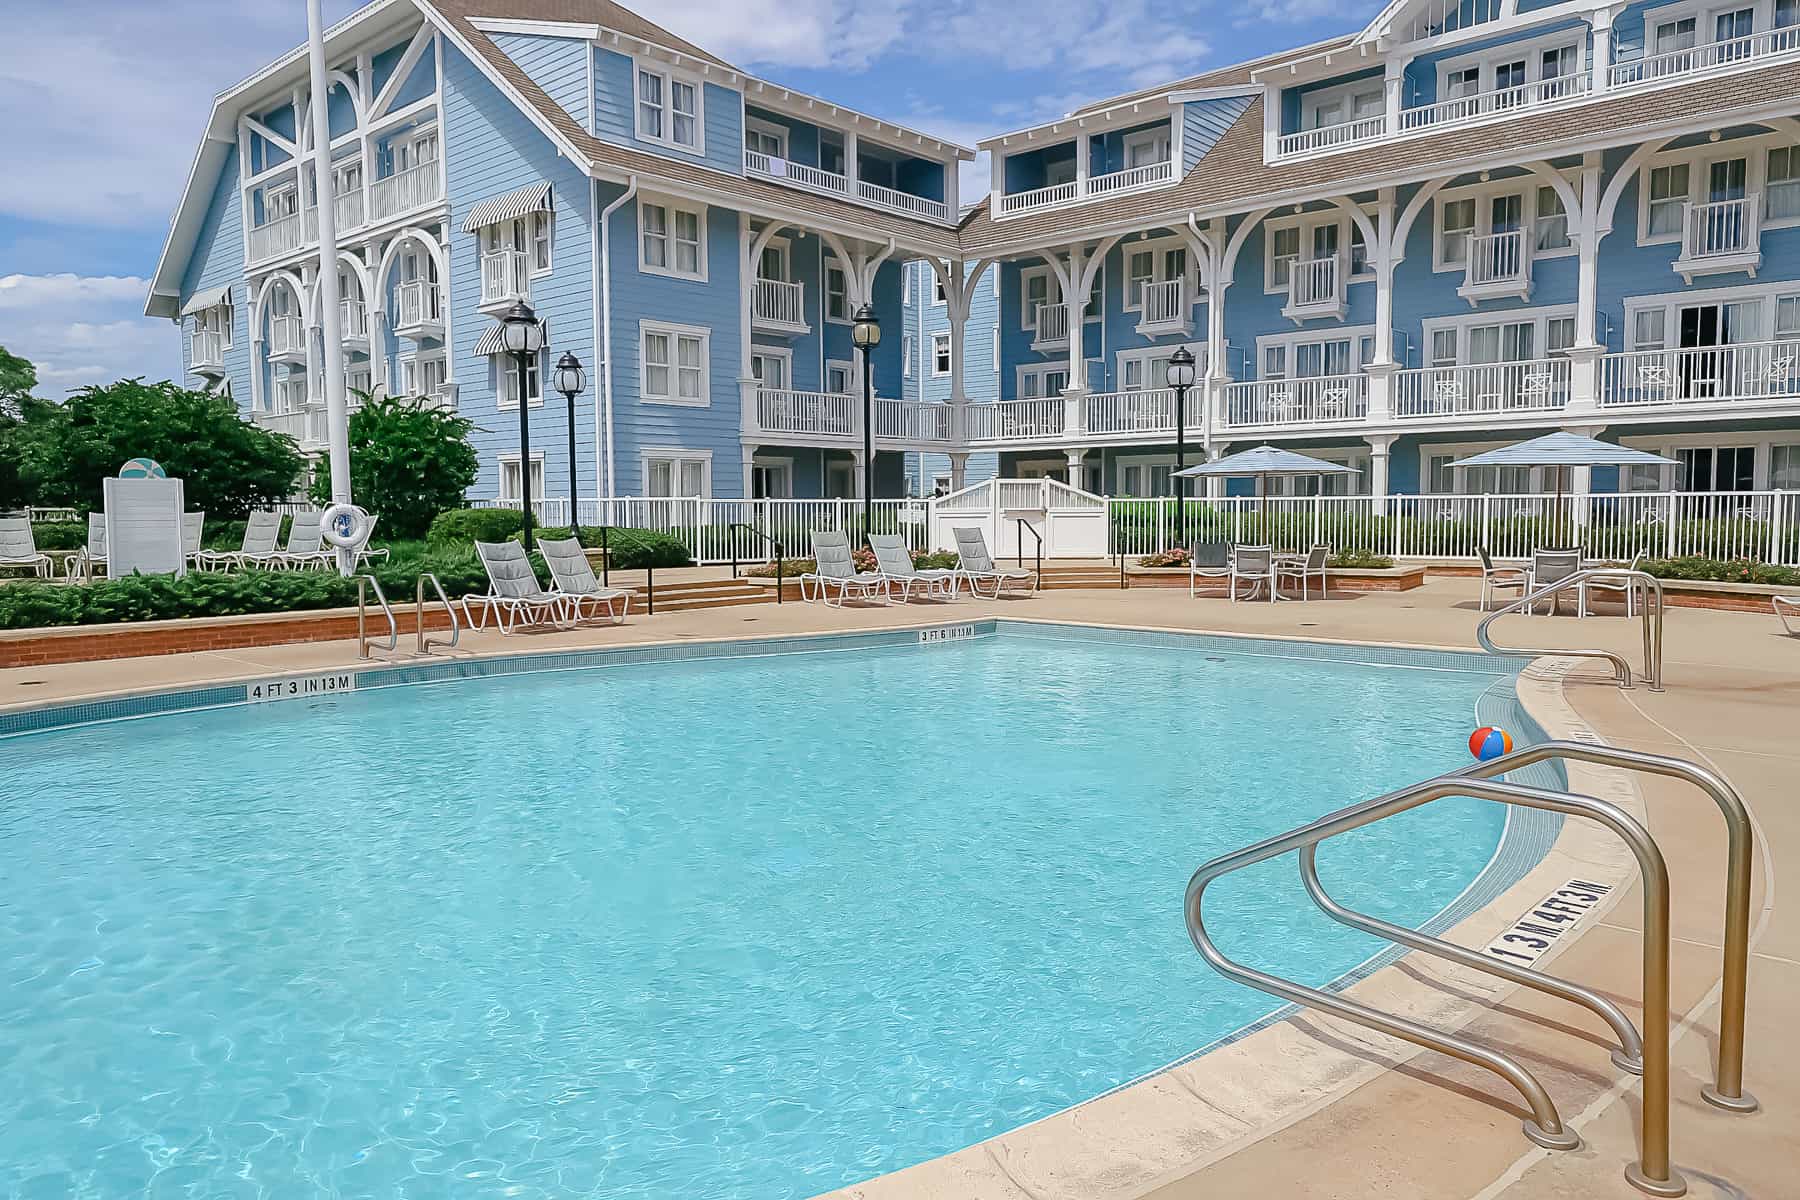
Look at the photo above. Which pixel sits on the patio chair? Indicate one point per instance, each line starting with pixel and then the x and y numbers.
pixel 1306 569
pixel 94 553
pixel 572 577
pixel 19 549
pixel 1210 561
pixel 1553 566
pixel 975 566
pixel 193 528
pixel 1496 579
pixel 894 569
pixel 1254 565
pixel 369 548
pixel 305 548
pixel 834 570
pixel 1788 609
pixel 513 594
pixel 262 533
pixel 1624 587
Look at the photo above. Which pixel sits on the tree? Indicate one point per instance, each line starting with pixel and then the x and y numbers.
pixel 227 465
pixel 408 462
pixel 17 379
pixel 24 420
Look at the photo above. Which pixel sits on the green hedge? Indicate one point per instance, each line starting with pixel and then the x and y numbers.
pixel 59 535
pixel 1722 570
pixel 466 526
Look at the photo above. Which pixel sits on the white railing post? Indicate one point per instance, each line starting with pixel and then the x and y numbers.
pixel 1669 541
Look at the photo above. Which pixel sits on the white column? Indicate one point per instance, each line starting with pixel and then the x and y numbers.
pixel 749 484
pixel 1391 81
pixel 1083 163
pixel 1600 22
pixel 1215 487
pixel 1075 456
pixel 856 459
pixel 850 153
pixel 952 189
pixel 1380 445
pixel 1584 355
pixel 1271 123
pixel 1217 377
pixel 959 471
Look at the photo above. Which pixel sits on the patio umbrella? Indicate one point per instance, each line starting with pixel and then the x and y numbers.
pixel 1563 450
pixel 1262 464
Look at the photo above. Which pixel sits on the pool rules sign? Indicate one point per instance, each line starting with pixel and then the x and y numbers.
pixel 1549 919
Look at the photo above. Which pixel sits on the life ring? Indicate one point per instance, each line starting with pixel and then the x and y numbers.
pixel 345 526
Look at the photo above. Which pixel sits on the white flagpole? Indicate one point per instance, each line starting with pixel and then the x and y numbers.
pixel 337 420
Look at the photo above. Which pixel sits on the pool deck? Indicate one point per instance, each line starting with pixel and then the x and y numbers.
pixel 1313 1107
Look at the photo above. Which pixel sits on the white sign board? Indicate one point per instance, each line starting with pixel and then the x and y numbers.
pixel 1549 919
pixel 947 633
pixel 143 527
pixel 299 687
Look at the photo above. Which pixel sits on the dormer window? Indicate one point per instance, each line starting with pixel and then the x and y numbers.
pixel 668 110
pixel 1146 148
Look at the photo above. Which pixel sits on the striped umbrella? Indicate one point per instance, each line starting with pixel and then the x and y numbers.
pixel 1564 450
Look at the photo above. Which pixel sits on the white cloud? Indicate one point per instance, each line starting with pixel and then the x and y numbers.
pixel 824 34
pixel 85 329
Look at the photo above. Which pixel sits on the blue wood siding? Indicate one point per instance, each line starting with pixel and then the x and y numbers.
pixel 615 119
pixel 559 65
pixel 1204 122
pixel 218 260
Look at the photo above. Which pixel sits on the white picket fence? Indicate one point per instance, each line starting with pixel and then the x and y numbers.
pixel 1760 525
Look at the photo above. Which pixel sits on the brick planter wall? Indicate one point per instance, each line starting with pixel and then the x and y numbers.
pixel 87 643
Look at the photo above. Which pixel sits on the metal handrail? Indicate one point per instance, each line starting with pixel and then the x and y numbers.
pixel 363 583
pixel 426 643
pixel 1652 1172
pixel 780 553
pixel 1652 623
pixel 1019 548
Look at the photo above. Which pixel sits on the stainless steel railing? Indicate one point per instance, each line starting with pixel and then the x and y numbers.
pixel 425 643
pixel 1648 1054
pixel 1652 616
pixel 363 644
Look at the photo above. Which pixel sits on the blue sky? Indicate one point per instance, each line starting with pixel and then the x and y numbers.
pixel 103 100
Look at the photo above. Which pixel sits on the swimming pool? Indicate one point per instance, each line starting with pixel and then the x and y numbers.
pixel 745 923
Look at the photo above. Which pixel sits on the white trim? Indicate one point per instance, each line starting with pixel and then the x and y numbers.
pixel 1354 334
pixel 1145 355
pixel 506 364
pixel 775 462
pixel 784 353
pixel 1158 247
pixel 1671 304
pixel 505 459
pixel 1039 371
pixel 1753 149
pixel 1531 50
pixel 669 76
pixel 1538 318
pixel 1483 194
pixel 838 364
pixel 670 208
pixel 675 454
pixel 945 338
pixel 584 31
pixel 909 347
pixel 828 262
pixel 675 333
pixel 1307 223
pixel 767 129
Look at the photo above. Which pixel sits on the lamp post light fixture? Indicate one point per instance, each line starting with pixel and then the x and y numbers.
pixel 865 334
pixel 1181 378
pixel 571 381
pixel 523 337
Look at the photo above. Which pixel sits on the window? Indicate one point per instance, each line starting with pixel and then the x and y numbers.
pixel 1716 468
pixel 1284 251
pixel 940 354
pixel 508 367
pixel 1673 36
pixel 1509 75
pixel 509 476
pixel 1668 199
pixel 678 474
pixel 1359 252
pixel 1456 220
pixel 675 365
pixel 907 350
pixel 674 241
pixel 840 378
pixel 280 202
pixel 1041 382
pixel 770 369
pixel 529 235
pixel 937 289
pixel 1552 232
pixel 1559 334
pixel 1560 63
pixel 1787 317
pixel 761 137
pixel 1784 466
pixel 1036 290
pixel 1511 341
pixel 217 320
pixel 1782 187
pixel 1146 148
pixel 1443 347
pixel 837 295
pixel 1731 26
pixel 416 150
pixel 1787 13
pixel 668 110
pixel 1465 81
pixel 1647 329
pixel 423 375
pixel 771 478
pixel 1140 269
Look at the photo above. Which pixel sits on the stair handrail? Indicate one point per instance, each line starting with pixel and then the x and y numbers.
pixel 363 583
pixel 1652 623
pixel 780 553
pixel 425 643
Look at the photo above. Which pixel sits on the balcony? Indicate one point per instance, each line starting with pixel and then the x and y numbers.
pixel 1166 309
pixel 1749 371
pixel 505 277
pixel 1017 420
pixel 1725 235
pixel 1315 289
pixel 1499 266
pixel 778 306
pixel 1308 400
pixel 353 323
pixel 1331 137
pixel 276 238
pixel 835 417
pixel 1714 56
pixel 1052 328
pixel 1535 385
pixel 206 352
pixel 830 183
pixel 1134 179
pixel 1502 102
pixel 419 311
pixel 287 341
pixel 914 423
pixel 305 423
pixel 1126 413
pixel 415 187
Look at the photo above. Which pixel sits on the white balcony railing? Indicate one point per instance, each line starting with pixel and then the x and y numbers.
pixel 913 422
pixel 888 197
pixel 1044 197
pixel 275 238
pixel 1165 306
pixel 1722 229
pixel 1709 57
pixel 1013 420
pixel 818 413
pixel 353 316
pixel 1307 400
pixel 1496 260
pixel 1052 327
pixel 1460 109
pixel 1316 284
pixel 418 304
pixel 1112 183
pixel 1132 178
pixel 1534 384
pixel 287 338
pixel 206 350
pixel 1138 412
pixel 833 184
pixel 1328 137
pixel 405 190
pixel 780 304
pixel 1701 374
pixel 505 275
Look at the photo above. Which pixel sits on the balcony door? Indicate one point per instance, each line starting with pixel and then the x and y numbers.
pixel 1717 468
pixel 770 370
pixel 1706 330
pixel 1726 179
pixel 773 265
pixel 1728 28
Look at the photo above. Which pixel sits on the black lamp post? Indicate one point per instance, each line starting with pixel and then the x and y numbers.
pixel 571 381
pixel 1181 378
pixel 523 337
pixel 865 334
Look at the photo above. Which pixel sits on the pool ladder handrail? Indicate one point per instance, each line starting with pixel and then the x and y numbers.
pixel 1652 622
pixel 425 642
pixel 363 644
pixel 1652 1173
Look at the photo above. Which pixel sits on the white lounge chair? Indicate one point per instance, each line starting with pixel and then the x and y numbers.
pixel 573 579
pixel 369 548
pixel 260 548
pixel 94 553
pixel 835 571
pixel 305 549
pixel 975 567
pixel 1208 561
pixel 894 569
pixel 18 548
pixel 514 594
pixel 1254 565
pixel 1314 565
pixel 1788 609
pixel 1497 579
pixel 193 528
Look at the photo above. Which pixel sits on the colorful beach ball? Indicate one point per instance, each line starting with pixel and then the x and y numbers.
pixel 142 468
pixel 1489 742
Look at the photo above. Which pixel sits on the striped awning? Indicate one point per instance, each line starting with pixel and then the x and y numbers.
pixel 491 343
pixel 206 298
pixel 495 209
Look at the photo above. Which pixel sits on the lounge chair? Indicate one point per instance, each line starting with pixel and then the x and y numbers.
pixel 1625 587
pixel 975 567
pixel 513 594
pixel 1495 580
pixel 573 579
pixel 835 571
pixel 1209 561
pixel 262 533
pixel 1787 608
pixel 1553 566
pixel 19 549
pixel 369 548
pixel 894 569
pixel 1313 565
pixel 1254 565
pixel 305 550
pixel 94 553
pixel 193 528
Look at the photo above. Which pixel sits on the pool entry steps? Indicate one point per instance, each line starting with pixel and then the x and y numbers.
pixel 1649 605
pixel 1648 1056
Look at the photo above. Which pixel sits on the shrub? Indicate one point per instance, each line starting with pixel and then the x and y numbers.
pixel 1352 560
pixel 1722 570
pixel 408 462
pixel 466 526
pixel 59 535
pixel 637 549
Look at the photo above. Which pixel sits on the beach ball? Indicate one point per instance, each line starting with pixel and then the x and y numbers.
pixel 1489 742
pixel 142 468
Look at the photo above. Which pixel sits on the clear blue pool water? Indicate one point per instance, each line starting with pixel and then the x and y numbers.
pixel 750 928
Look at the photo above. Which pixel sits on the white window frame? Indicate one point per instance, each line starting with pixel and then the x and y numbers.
pixel 1459 484
pixel 1312 103
pixel 784 353
pixel 1761 441
pixel 1144 356
pixel 1461 324
pixel 849 370
pixel 1670 304
pixel 937 288
pixel 937 340
pixel 218 319
pixel 1161 135
pixel 675 456
pixel 1483 194
pixel 1052 294
pixel 1307 223
pixel 1040 371
pixel 908 348
pixel 675 333
pixel 1158 249
pixel 503 461
pixel 1142 462
pixel 769 462
pixel 826 270
pixel 768 129
pixel 641 67
pixel 1699 159
pixel 669 210
pixel 1488 61
pixel 1356 335
pixel 414 364
pixel 506 365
